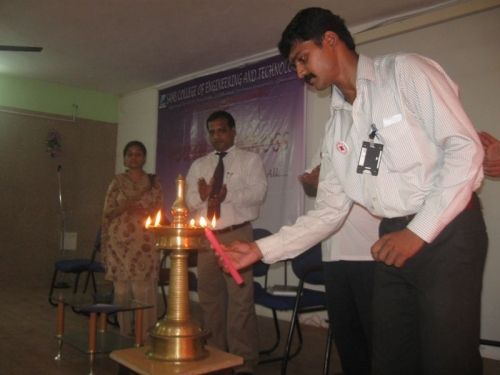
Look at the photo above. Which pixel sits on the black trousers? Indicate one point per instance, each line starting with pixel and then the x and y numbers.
pixel 426 315
pixel 349 286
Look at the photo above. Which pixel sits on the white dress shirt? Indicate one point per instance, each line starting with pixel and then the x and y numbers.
pixel 430 165
pixel 245 179
pixel 353 241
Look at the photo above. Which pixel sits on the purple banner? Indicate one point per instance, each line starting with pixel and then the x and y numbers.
pixel 267 101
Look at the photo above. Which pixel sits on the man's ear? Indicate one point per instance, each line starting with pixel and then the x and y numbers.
pixel 330 38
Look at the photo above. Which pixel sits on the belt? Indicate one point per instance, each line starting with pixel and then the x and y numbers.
pixel 471 205
pixel 231 228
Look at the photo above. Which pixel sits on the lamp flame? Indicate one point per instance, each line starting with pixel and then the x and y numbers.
pixel 203 222
pixel 158 218
pixel 192 223
pixel 148 222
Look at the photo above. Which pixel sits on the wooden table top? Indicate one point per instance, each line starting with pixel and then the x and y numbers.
pixel 135 359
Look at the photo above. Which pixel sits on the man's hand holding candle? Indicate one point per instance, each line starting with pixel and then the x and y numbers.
pixel 223 259
pixel 242 254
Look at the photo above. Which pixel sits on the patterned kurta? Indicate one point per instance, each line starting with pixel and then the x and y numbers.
pixel 128 248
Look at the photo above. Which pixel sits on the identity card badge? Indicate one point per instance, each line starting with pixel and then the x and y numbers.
pixel 371 154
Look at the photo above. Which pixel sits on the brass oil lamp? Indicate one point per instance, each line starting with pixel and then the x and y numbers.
pixel 177 337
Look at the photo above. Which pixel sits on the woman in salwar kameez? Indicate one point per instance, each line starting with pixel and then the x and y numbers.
pixel 129 254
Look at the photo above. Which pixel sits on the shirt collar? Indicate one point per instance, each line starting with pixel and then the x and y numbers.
pixel 227 151
pixel 365 71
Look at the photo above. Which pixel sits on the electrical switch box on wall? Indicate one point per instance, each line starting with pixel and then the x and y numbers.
pixel 69 241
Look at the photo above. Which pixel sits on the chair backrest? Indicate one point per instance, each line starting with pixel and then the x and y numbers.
pixel 259 233
pixel 97 245
pixel 260 269
pixel 308 266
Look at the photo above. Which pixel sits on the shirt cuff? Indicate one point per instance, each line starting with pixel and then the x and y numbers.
pixel 427 228
pixel 267 248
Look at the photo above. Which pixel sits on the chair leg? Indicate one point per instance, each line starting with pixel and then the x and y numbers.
pixel 51 290
pixel 278 335
pixel 87 279
pixel 75 291
pixel 288 347
pixel 293 322
pixel 94 284
pixel 91 276
pixel 77 280
pixel 286 355
pixel 301 340
pixel 164 298
pixel 328 350
pixel 283 357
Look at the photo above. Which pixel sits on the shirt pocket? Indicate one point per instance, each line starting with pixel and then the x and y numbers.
pixel 400 153
pixel 233 176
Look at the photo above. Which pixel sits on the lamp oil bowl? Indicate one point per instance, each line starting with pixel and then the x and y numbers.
pixel 177 337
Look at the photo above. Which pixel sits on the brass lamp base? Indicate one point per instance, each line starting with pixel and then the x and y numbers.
pixel 177 342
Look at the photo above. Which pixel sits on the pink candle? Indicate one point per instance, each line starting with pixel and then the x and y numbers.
pixel 227 262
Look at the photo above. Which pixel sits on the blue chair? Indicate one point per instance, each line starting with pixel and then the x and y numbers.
pixel 308 269
pixel 264 298
pixel 77 267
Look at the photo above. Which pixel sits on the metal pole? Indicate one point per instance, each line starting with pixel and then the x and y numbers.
pixel 62 229
pixel 61 284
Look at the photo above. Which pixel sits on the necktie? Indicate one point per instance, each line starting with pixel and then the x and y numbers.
pixel 217 186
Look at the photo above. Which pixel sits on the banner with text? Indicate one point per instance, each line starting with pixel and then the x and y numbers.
pixel 267 101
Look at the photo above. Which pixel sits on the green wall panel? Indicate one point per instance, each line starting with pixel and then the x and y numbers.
pixel 39 96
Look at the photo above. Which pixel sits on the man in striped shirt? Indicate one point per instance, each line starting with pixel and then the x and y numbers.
pixel 399 143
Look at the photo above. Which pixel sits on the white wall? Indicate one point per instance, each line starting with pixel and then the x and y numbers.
pixel 138 120
pixel 469 51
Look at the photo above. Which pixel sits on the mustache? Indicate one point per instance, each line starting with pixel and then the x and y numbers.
pixel 307 78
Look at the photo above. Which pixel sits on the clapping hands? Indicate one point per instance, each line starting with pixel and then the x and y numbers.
pixel 491 163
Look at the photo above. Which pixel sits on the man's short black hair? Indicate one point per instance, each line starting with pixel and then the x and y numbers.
pixel 311 24
pixel 222 115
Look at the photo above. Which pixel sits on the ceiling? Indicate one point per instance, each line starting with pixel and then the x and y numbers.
pixel 119 46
